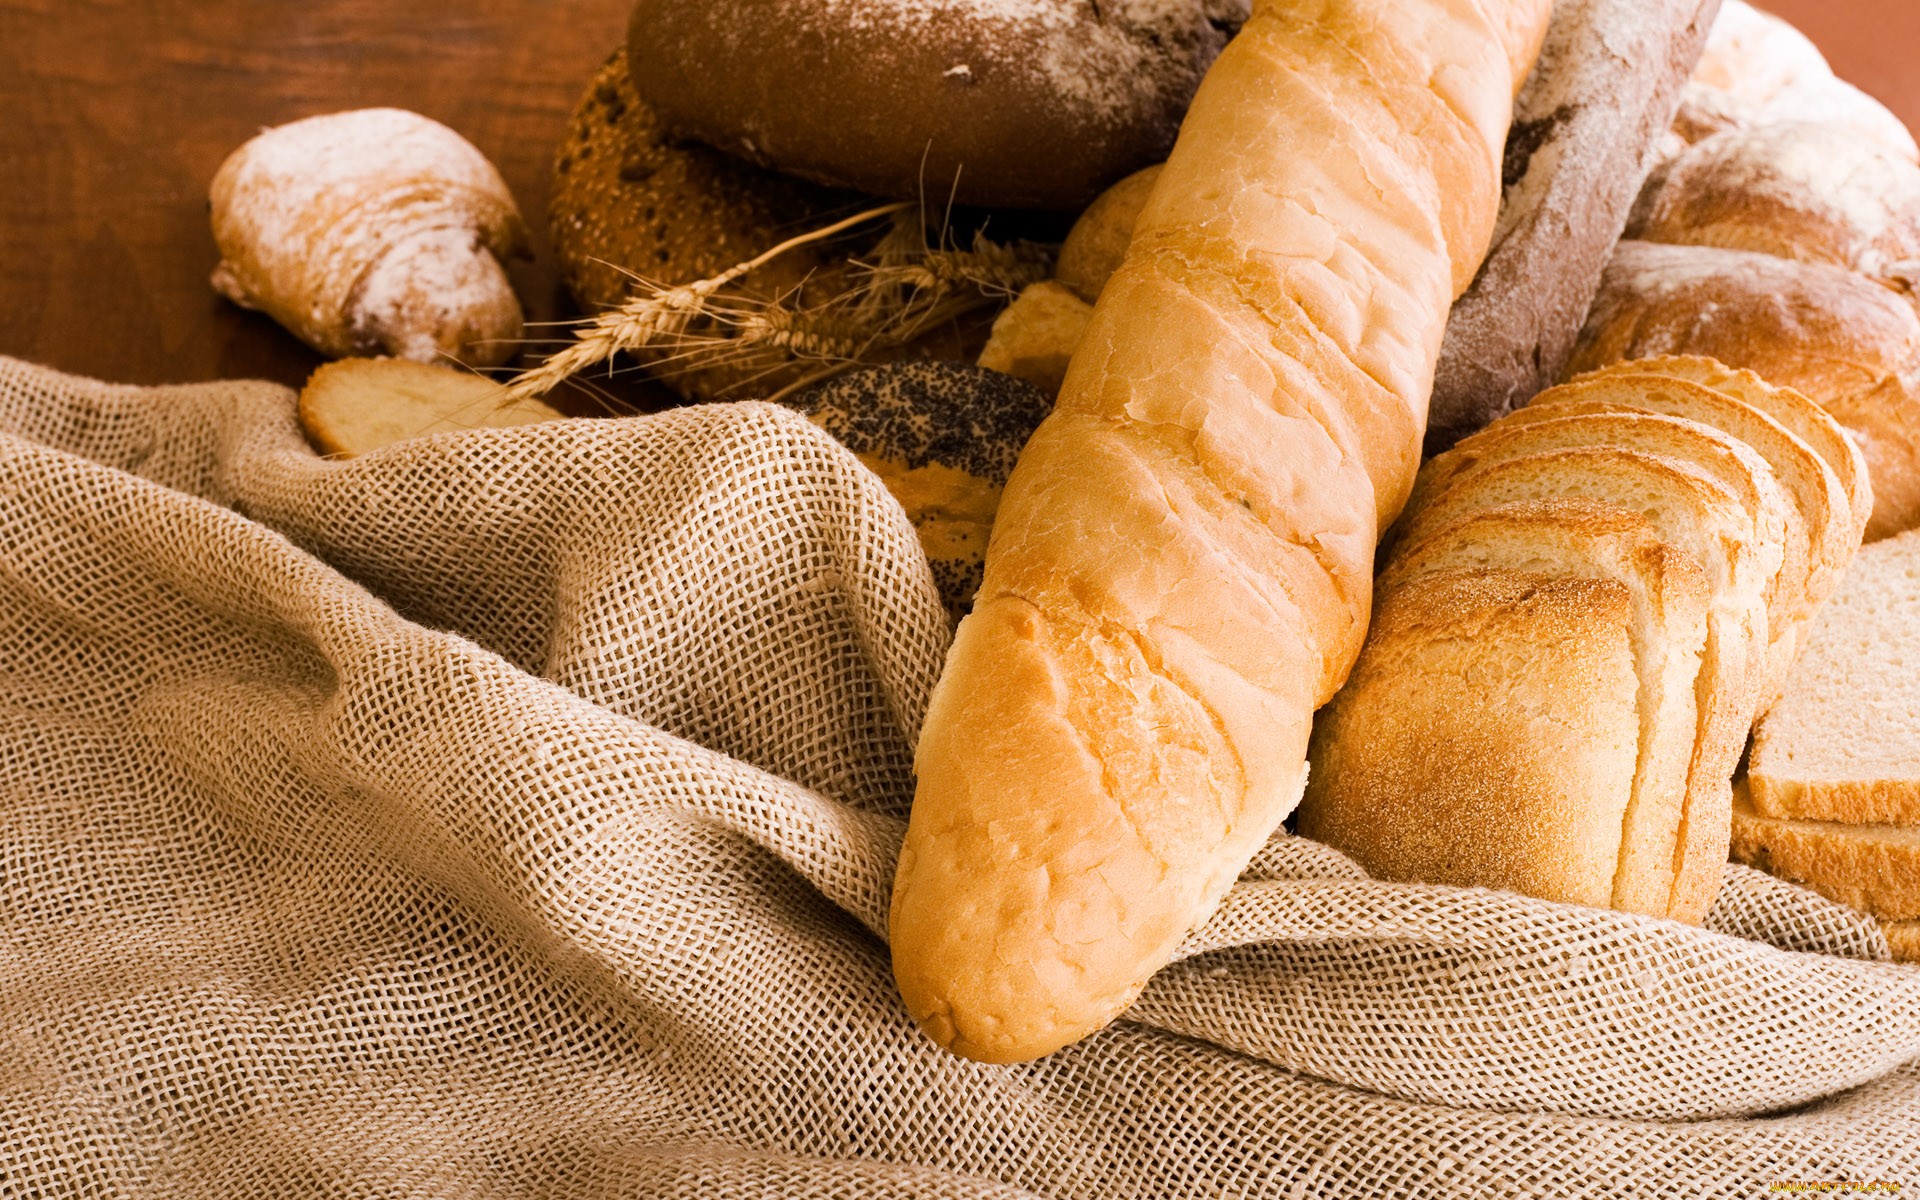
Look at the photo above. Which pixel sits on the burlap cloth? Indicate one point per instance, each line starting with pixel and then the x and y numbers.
pixel 513 814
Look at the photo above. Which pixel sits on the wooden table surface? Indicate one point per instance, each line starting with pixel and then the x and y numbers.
pixel 114 116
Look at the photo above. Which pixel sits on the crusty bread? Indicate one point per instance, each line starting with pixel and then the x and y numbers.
pixel 943 436
pixel 1792 410
pixel 1850 344
pixel 373 231
pixel 357 405
pixel 1874 868
pixel 1034 337
pixel 1181 568
pixel 1794 189
pixel 1011 104
pixel 1843 744
pixel 1100 235
pixel 1487 736
pixel 1585 131
pixel 1903 938
pixel 1695 513
pixel 1580 539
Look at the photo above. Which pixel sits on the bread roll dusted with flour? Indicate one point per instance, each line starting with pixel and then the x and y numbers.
pixel 1181 567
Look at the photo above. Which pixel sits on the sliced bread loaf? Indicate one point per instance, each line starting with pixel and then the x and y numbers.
pixel 1487 736
pixel 1726 459
pixel 1691 511
pixel 1795 412
pixel 1582 539
pixel 1843 743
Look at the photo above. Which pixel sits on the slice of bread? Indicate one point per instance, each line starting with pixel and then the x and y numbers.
pixel 1794 411
pixel 1812 485
pixel 1729 461
pixel 1578 538
pixel 356 405
pixel 1486 737
pixel 1903 938
pixel 1696 514
pixel 1843 743
pixel 1874 868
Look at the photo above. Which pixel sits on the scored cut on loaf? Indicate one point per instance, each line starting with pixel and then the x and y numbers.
pixel 1531 791
pixel 1850 344
pixel 1872 868
pixel 1581 539
pixel 1843 743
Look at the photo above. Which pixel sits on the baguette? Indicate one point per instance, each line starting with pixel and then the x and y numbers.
pixel 1181 566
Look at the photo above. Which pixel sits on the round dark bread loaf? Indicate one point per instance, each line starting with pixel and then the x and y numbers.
pixel 631 202
pixel 943 436
pixel 1001 103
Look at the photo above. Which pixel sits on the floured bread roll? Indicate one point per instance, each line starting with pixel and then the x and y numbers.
pixel 375 231
pixel 943 437
pixel 1003 103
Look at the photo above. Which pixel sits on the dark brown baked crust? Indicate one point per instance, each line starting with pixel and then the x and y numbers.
pixel 1585 126
pixel 1000 103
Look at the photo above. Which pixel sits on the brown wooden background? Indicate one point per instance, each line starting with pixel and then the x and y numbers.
pixel 114 116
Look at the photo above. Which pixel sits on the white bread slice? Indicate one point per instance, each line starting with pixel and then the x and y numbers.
pixel 1903 938
pixel 357 405
pixel 1813 487
pixel 1579 538
pixel 1486 737
pixel 1699 516
pixel 1874 868
pixel 1729 461
pixel 1843 744
pixel 1796 412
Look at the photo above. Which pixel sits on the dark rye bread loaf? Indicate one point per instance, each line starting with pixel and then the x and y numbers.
pixel 1585 131
pixel 1002 103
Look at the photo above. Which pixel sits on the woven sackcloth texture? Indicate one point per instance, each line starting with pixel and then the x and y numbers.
pixel 513 814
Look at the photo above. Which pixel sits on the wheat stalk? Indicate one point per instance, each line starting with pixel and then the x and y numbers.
pixel 903 289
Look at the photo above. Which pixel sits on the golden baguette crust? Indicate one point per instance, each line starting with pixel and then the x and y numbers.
pixel 1180 570
pixel 1490 710
pixel 1579 538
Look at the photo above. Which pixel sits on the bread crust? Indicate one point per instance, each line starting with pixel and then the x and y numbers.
pixel 1579 538
pixel 1181 567
pixel 1872 868
pixel 1030 105
pixel 1850 344
pixel 1487 737
pixel 1586 129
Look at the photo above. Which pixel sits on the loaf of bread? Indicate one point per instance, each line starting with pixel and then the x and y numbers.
pixel 1843 743
pixel 375 231
pixel 1704 492
pixel 1843 340
pixel 1181 567
pixel 943 437
pixel 1794 189
pixel 1003 103
pixel 1034 337
pixel 358 405
pixel 1586 130
pixel 1873 868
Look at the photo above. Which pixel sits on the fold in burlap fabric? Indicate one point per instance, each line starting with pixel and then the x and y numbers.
pixel 514 813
